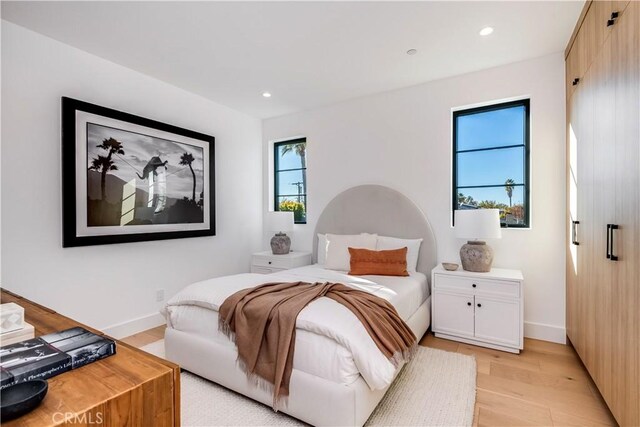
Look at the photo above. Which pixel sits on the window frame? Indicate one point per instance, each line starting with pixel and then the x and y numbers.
pixel 276 196
pixel 527 156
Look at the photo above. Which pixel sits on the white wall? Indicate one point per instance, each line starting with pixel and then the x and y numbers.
pixel 107 285
pixel 402 139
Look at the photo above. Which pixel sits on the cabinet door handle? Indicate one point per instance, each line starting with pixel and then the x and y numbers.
pixel 469 304
pixel 574 232
pixel 575 81
pixel 612 20
pixel 479 305
pixel 610 244
pixel 474 285
pixel 269 262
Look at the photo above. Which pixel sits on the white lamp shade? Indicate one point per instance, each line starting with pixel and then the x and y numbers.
pixel 280 221
pixel 478 224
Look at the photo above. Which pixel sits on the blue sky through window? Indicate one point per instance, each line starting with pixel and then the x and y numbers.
pixel 499 135
pixel 288 180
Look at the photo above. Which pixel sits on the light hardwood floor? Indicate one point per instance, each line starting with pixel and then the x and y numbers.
pixel 545 385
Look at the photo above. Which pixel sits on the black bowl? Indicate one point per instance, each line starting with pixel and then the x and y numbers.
pixel 21 398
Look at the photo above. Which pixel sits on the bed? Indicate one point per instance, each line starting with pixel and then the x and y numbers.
pixel 334 381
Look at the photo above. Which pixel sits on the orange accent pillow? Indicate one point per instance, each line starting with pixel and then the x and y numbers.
pixel 380 263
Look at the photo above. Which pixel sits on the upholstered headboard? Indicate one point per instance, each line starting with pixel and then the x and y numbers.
pixel 381 210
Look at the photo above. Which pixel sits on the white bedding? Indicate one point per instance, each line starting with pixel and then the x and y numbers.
pixel 331 342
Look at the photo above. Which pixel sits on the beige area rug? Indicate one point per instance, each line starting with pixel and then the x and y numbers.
pixel 438 388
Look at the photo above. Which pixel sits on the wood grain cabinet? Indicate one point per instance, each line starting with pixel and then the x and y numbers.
pixel 131 388
pixel 603 204
pixel 483 309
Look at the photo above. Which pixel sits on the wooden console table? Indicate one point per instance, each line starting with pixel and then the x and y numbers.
pixel 130 388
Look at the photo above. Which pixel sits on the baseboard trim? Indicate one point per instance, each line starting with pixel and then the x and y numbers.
pixel 541 331
pixel 131 327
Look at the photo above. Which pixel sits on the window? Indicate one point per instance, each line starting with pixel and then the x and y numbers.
pixel 290 178
pixel 491 160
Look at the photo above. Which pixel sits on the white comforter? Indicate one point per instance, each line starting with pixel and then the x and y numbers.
pixel 323 316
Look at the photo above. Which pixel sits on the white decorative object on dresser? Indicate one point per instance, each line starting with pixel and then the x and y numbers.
pixel 266 262
pixel 484 309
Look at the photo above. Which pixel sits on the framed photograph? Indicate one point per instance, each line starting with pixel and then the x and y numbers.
pixel 126 178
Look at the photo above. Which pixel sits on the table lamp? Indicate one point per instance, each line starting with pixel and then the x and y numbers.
pixel 280 222
pixel 477 225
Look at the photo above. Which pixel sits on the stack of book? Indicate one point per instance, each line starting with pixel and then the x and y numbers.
pixel 13 328
pixel 52 354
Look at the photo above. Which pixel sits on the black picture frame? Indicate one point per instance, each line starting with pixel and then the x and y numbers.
pixel 70 171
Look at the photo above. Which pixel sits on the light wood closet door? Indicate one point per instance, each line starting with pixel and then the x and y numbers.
pixel 625 380
pixel 597 356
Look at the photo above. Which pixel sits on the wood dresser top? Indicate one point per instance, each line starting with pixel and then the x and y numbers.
pixel 80 390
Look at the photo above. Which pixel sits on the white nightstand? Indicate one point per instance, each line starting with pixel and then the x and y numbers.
pixel 266 262
pixel 484 309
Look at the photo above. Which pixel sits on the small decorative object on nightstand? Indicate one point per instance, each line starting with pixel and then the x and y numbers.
pixel 280 222
pixel 484 309
pixel 266 262
pixel 476 224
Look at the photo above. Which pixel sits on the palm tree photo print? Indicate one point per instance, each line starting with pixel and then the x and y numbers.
pixel 136 179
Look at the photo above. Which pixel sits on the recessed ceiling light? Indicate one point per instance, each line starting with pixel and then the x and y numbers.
pixel 412 52
pixel 266 94
pixel 486 31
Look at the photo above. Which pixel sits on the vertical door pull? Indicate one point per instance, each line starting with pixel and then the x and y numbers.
pixel 574 232
pixel 612 227
pixel 612 20
pixel 608 241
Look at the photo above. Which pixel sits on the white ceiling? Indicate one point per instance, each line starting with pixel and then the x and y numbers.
pixel 307 54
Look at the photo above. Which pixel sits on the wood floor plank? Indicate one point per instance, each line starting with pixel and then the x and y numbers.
pixel 555 381
pixel 512 407
pixel 489 418
pixel 429 340
pixel 548 347
pixel 565 401
pixel 502 357
pixel 562 419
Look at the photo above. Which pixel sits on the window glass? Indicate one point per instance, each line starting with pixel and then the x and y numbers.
pixel 290 178
pixel 491 160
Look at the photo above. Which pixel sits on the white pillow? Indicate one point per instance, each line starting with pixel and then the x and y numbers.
pixel 322 248
pixel 412 245
pixel 338 257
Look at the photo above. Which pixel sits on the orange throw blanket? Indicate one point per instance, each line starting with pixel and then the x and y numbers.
pixel 262 322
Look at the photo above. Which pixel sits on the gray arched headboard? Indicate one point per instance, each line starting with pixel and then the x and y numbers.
pixel 381 210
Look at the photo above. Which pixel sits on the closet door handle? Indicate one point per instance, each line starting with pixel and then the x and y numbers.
pixel 479 305
pixel 610 244
pixel 574 232
pixel 575 81
pixel 469 304
pixel 614 16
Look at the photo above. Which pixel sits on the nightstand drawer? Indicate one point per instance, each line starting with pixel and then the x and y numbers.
pixel 272 261
pixel 476 286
